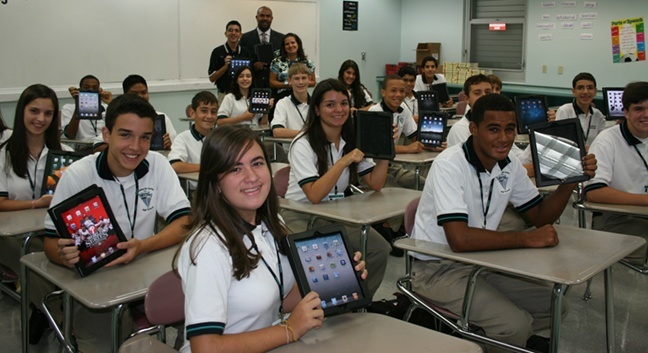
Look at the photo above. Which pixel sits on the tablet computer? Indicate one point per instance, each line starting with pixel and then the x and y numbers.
pixel 88 105
pixel 57 162
pixel 612 98
pixel 427 100
pixel 264 52
pixel 236 63
pixel 530 110
pixel 159 129
pixel 87 218
pixel 322 261
pixel 431 128
pixel 375 134
pixel 441 91
pixel 260 100
pixel 557 150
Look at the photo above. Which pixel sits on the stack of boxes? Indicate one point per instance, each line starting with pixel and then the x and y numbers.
pixel 459 72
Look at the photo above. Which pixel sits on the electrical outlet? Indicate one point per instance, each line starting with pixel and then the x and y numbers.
pixel 363 55
pixel 560 70
pixel 544 69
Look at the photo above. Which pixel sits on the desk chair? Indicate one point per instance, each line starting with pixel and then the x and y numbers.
pixel 8 280
pixel 280 181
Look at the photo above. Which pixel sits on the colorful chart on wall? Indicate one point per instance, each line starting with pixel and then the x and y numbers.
pixel 628 40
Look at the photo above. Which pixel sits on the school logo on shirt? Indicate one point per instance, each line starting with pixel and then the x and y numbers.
pixel 146 195
pixel 503 179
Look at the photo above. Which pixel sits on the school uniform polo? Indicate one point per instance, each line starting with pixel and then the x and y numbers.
pixel 152 189
pixel 217 60
pixel 187 147
pixel 290 113
pixel 216 302
pixel 402 118
pixel 303 168
pixel 411 104
pixel 592 121
pixel 88 129
pixel 367 98
pixel 458 189
pixel 231 107
pixel 420 85
pixel 4 136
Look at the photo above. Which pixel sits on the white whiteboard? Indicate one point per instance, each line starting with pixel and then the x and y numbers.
pixel 58 42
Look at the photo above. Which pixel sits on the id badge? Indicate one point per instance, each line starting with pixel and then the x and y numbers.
pixel 334 196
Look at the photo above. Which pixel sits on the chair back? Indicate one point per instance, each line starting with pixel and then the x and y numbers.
pixel 410 215
pixel 281 181
pixel 164 302
pixel 461 108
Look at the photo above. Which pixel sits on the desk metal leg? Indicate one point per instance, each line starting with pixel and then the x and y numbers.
pixel 363 241
pixel 68 308
pixel 609 310
pixel 417 172
pixel 24 306
pixel 468 297
pixel 556 308
pixel 116 326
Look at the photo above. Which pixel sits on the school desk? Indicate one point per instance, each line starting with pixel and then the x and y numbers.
pixel 108 288
pixel 275 141
pixel 580 255
pixel 78 145
pixel 418 160
pixel 369 332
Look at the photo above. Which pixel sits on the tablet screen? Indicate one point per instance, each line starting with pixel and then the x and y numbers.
pixel 57 163
pixel 530 110
pixel 612 97
pixel 88 105
pixel 236 63
pixel 427 101
pixel 260 100
pixel 431 128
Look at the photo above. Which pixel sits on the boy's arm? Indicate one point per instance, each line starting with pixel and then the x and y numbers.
pixel 611 195
pixel 414 147
pixel 462 238
pixel 184 167
pixel 283 132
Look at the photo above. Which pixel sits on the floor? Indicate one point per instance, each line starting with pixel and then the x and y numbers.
pixel 583 329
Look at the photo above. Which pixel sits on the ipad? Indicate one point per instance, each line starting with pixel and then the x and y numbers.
pixel 236 63
pixel 264 52
pixel 88 105
pixel 57 162
pixel 557 149
pixel 427 100
pixel 441 91
pixel 375 134
pixel 431 128
pixel 260 100
pixel 159 129
pixel 87 218
pixel 530 110
pixel 322 261
pixel 613 104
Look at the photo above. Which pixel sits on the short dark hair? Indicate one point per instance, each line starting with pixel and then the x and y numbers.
pixel 429 58
pixel 634 93
pixel 583 76
pixel 131 81
pixel 88 77
pixel 205 97
pixel 493 102
pixel 475 80
pixel 233 22
pixel 495 80
pixel 407 70
pixel 128 103
pixel 390 78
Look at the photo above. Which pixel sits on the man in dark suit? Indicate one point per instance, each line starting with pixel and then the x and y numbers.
pixel 262 34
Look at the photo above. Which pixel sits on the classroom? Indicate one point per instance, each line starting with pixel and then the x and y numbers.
pixel 170 41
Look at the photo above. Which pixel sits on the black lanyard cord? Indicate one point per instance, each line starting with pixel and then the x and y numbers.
pixel 134 219
pixel 642 157
pixel 300 114
pixel 32 182
pixel 279 280
pixel 333 162
pixel 488 203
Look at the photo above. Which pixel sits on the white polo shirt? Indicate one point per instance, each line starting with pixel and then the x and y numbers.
pixel 367 98
pixel 231 107
pixel 303 168
pixel 419 85
pixel 4 136
pixel 411 104
pixel 592 121
pixel 453 192
pixel 402 119
pixel 619 165
pixel 88 129
pixel 290 113
pixel 14 187
pixel 216 302
pixel 187 147
pixel 153 187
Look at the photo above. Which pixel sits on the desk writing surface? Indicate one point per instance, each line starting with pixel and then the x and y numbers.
pixel 368 332
pixel 287 140
pixel 639 211
pixel 416 158
pixel 22 222
pixel 367 208
pixel 581 254
pixel 106 287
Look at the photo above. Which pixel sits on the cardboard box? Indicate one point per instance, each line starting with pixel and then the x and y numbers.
pixel 427 49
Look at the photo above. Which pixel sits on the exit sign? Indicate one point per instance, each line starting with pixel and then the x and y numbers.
pixel 498 26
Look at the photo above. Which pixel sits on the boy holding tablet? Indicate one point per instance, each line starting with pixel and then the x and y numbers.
pixel 140 186
pixel 82 129
pixel 622 177
pixel 185 151
pixel 460 209
pixel 219 62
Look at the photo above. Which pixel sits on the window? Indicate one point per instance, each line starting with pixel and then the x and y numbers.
pixel 498 50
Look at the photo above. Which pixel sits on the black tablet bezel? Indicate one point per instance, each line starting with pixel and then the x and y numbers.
pixel 441 90
pixel 157 140
pixel 77 200
pixel 606 102
pixel 420 136
pixel 302 277
pixel 521 126
pixel 95 116
pixel 51 154
pixel 259 108
pixel 423 96
pixel 553 128
pixel 368 124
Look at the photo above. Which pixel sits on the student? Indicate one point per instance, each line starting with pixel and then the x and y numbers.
pixel 496 83
pixel 291 112
pixel 140 187
pixel 234 108
pixel 219 62
pixel 185 151
pixel 234 254
pixel 136 84
pixel 324 162
pixel 429 78
pixel 291 52
pixel 408 74
pixel 458 208
pixel 5 131
pixel 349 75
pixel 22 164
pixel 84 129
pixel 622 174
pixel 591 119
pixel 263 34
pixel 474 87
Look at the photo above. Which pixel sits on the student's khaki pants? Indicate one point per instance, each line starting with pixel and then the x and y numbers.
pixel 625 225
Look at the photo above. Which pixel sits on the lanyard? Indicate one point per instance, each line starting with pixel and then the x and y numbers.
pixel 333 162
pixel 279 280
pixel 481 193
pixel 134 219
pixel 640 156
pixel 300 114
pixel 32 182
pixel 408 107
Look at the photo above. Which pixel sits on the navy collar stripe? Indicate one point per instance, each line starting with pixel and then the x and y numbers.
pixel 105 173
pixel 471 157
pixel 385 108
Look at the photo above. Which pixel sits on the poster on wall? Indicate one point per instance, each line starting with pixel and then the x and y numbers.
pixel 628 40
pixel 349 15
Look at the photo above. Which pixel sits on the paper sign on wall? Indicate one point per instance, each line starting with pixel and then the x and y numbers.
pixel 628 40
